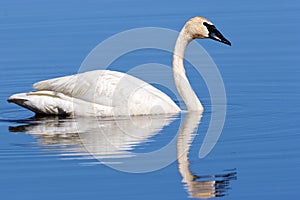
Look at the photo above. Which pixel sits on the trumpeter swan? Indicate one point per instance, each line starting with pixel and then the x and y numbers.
pixel 112 93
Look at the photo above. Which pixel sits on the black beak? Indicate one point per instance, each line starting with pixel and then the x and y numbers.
pixel 215 34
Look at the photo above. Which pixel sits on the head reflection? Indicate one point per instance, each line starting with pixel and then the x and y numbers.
pixel 202 187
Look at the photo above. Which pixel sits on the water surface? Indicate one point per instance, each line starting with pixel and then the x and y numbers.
pixel 257 155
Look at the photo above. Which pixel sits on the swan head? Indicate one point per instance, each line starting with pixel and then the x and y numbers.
pixel 200 27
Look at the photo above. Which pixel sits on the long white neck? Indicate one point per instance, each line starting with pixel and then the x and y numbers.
pixel 182 83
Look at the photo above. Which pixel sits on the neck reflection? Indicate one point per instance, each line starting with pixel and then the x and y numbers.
pixel 202 187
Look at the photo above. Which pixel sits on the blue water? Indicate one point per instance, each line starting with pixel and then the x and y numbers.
pixel 257 155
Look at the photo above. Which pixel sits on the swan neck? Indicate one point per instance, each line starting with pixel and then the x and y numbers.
pixel 181 81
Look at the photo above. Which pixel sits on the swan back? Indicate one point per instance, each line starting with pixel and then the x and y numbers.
pixel 99 92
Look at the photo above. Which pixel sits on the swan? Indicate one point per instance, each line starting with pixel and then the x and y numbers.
pixel 112 93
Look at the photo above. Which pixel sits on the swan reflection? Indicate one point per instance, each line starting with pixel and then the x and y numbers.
pixel 113 140
pixel 97 137
pixel 202 187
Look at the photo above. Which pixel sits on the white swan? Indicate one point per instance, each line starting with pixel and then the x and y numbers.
pixel 112 93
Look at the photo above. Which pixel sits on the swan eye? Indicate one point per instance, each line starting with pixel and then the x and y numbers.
pixel 205 24
pixel 209 26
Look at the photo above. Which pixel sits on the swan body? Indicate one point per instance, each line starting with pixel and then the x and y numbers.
pixel 105 92
pixel 112 93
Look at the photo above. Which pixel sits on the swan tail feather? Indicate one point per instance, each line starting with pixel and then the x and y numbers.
pixel 43 102
pixel 55 103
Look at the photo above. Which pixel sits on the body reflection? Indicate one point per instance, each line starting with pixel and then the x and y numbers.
pixel 99 138
pixel 113 140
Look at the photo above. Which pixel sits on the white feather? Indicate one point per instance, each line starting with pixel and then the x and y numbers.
pixel 100 92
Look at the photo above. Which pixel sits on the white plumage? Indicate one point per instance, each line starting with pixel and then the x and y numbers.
pixel 100 92
pixel 112 93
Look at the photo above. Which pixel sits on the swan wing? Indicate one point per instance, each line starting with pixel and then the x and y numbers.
pixel 100 92
pixel 94 86
pixel 110 88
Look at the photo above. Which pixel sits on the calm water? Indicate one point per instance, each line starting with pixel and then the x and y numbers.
pixel 257 155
